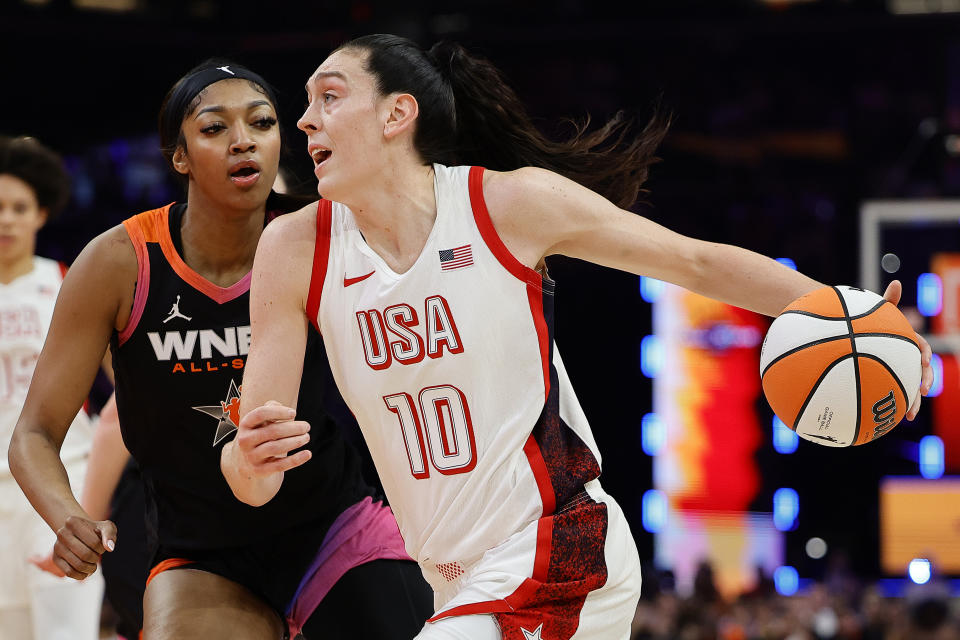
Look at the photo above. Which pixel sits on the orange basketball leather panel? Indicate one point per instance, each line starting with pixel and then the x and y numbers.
pixel 788 382
pixel 823 302
pixel 882 404
pixel 886 319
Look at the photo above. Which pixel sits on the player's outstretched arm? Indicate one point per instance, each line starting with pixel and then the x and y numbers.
pixel 95 298
pixel 263 448
pixel 541 213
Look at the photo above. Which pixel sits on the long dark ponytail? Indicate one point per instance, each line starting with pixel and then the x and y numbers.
pixel 468 114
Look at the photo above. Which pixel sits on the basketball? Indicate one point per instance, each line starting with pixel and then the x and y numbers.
pixel 840 366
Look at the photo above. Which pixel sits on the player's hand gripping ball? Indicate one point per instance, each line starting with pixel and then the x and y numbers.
pixel 840 366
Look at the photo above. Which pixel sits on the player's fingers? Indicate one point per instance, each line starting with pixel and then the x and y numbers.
pixel 893 292
pixel 914 408
pixel 67 570
pixel 926 356
pixel 108 534
pixel 72 559
pixel 288 462
pixel 280 447
pixel 86 533
pixel 251 439
pixel 265 414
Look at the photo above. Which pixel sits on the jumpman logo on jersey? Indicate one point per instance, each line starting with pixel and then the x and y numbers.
pixel 532 635
pixel 175 312
pixel 227 413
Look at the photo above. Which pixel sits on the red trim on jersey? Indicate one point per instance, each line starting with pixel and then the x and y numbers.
pixel 519 270
pixel 490 606
pixel 321 255
pixel 134 227
pixel 526 590
pixel 490 236
pixel 541 562
pixel 218 294
pixel 63 269
pixel 535 297
pixel 539 467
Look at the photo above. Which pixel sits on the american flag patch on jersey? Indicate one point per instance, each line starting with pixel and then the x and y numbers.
pixel 456 258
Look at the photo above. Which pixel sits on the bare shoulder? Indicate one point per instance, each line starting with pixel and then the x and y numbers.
pixel 532 208
pixel 526 185
pixel 111 255
pixel 293 230
pixel 284 261
pixel 106 270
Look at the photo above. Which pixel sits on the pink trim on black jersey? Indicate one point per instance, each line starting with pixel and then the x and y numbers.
pixel 135 231
pixel 321 255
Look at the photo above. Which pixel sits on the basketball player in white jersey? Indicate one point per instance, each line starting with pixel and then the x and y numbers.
pixel 33 604
pixel 424 271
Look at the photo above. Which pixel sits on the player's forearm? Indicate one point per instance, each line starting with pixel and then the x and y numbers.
pixel 747 279
pixel 248 488
pixel 36 465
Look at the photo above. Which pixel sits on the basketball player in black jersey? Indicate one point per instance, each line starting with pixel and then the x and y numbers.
pixel 168 291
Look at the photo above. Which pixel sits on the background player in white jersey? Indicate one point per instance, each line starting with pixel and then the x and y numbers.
pixel 33 604
pixel 441 329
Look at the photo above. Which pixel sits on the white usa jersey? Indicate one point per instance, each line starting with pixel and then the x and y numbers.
pixel 26 308
pixel 451 371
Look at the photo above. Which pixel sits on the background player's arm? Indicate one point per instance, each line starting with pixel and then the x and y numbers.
pixel 88 309
pixel 539 213
pixel 254 462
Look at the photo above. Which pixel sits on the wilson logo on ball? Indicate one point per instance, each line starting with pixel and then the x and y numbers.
pixel 884 414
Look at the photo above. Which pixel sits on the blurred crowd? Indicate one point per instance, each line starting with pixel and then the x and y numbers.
pixel 830 609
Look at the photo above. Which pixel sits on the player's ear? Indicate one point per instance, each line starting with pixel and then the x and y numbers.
pixel 179 161
pixel 403 111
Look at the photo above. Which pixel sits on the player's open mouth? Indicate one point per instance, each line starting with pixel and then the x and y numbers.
pixel 245 173
pixel 320 155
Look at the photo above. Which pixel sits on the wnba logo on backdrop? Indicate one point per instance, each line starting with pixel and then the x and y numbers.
pixel 884 414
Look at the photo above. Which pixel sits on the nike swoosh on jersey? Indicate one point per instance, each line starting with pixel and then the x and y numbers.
pixel 349 281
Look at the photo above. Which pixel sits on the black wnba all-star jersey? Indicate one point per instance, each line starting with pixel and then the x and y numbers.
pixel 179 368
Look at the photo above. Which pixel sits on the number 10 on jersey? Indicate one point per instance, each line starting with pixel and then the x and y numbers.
pixel 438 422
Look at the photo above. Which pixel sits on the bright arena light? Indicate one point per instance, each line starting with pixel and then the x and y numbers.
pixel 931 457
pixel 653 434
pixel 929 294
pixel 785 439
pixel 919 570
pixel 816 548
pixel 786 506
pixel 786 580
pixel 653 510
pixel 651 356
pixel 650 289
